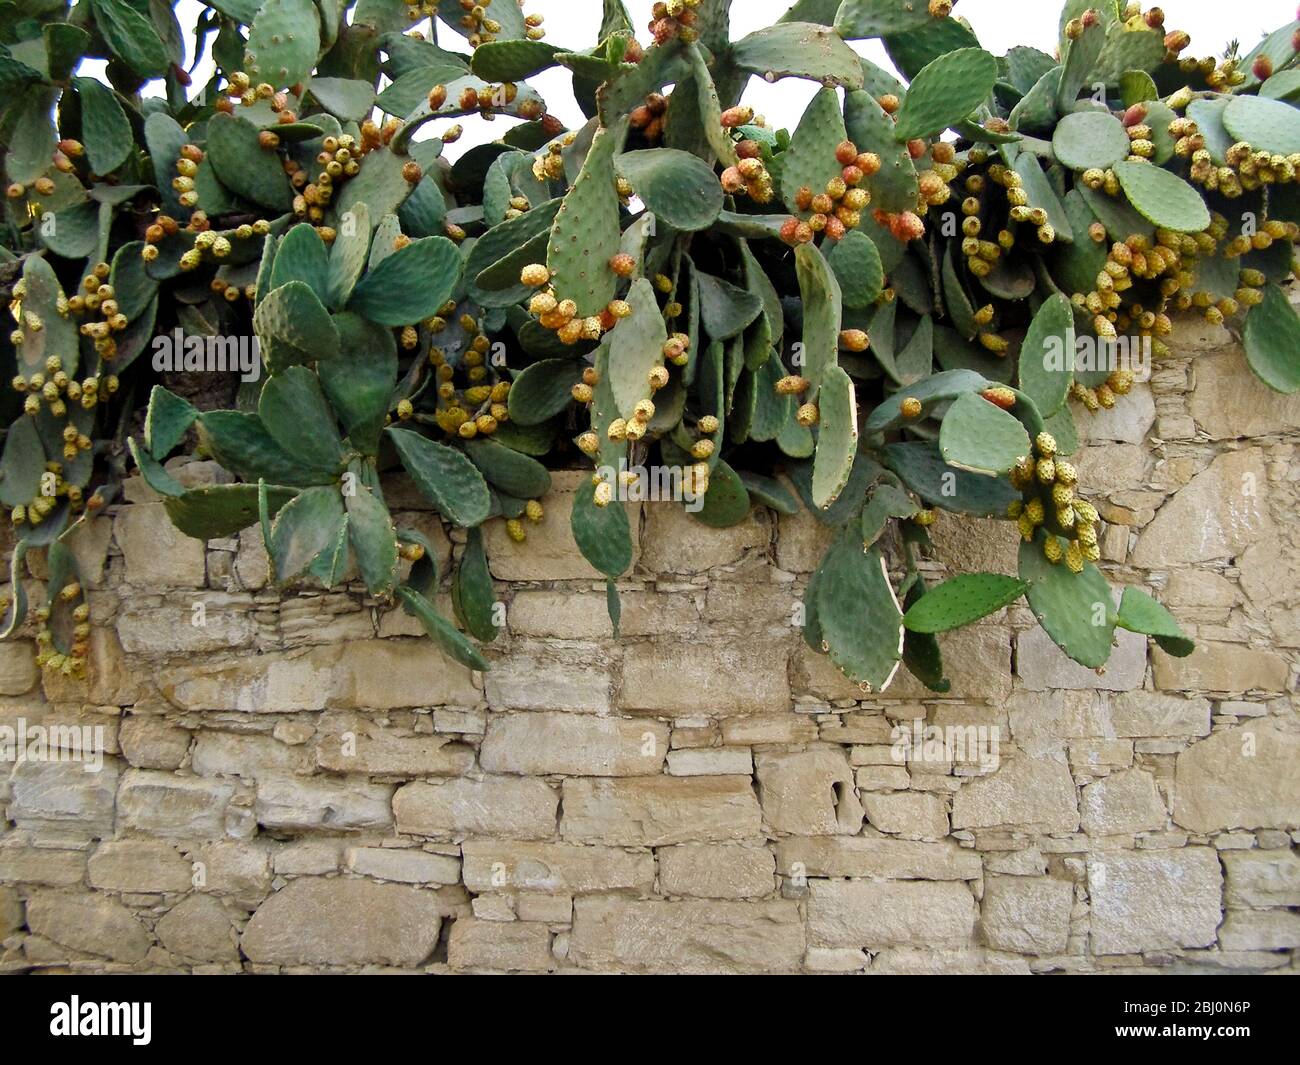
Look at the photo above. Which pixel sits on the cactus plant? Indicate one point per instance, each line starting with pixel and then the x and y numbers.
pixel 673 281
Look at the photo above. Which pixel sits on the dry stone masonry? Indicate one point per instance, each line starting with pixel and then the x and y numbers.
pixel 301 782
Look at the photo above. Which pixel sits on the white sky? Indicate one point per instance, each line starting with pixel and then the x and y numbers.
pixel 1000 25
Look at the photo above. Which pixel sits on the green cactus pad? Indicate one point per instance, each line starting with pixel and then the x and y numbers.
pixel 505 60
pixel 1138 612
pixel 347 258
pixel 1075 609
pixel 821 317
pixel 725 310
pixel 166 422
pixel 444 476
pixel 1271 337
pixel 1088 139
pixel 105 132
pixel 837 442
pixel 294 411
pixel 410 285
pixel 379 184
pixel 861 19
pixel 440 630
pixel 1037 109
pixel 1116 214
pixel 360 380
pixel 507 470
pixel 887 501
pixel 542 390
pixel 603 534
pixel 858 614
pixel 373 539
pixel 307 526
pixel 940 388
pixel 912 50
pixel 857 267
pixel 131 37
pixel 726 503
pixel 301 256
pixel 1074 266
pixel 283 42
pixel 1127 50
pixel 243 166
pixel 57 334
pixel 585 234
pixel 769 492
pixel 221 510
pixel 980 437
pixel 636 347
pixel 506 13
pixel 921 652
pixel 1284 85
pixel 810 162
pixel 1278 46
pixel 947 90
pixel 1136 87
pixel 895 186
pixel 921 466
pixel 1079 58
pixel 293 318
pixel 347 99
pixel 1208 116
pixel 1163 198
pixel 681 189
pixel 1047 355
pixel 1266 125
pixel 962 600
pixel 799 50
pixel 241 443
pixel 472 595
pixel 23 464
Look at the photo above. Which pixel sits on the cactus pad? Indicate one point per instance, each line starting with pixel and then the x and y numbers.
pixel 243 166
pixel 635 348
pixel 810 162
pixel 1272 340
pixel 1266 125
pixel 1047 355
pixel 585 234
pixel 981 437
pixel 1075 609
pixel 821 318
pixel 1138 612
pixel 680 188
pixel 961 600
pixel 837 443
pixel 799 50
pixel 1163 198
pixel 373 539
pixel 858 614
pixel 282 42
pixel 947 90
pixel 1088 139
pixel 444 476
pixel 920 465
pixel 410 285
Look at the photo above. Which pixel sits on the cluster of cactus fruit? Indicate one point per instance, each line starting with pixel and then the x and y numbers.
pixel 875 316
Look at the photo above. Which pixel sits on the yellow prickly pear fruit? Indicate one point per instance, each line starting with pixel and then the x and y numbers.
pixel 1034 511
pixel 1086 512
pixel 1046 471
pixel 911 407
pixel 1074 557
pixel 1066 474
pixel 708 424
pixel 589 443
pixel 617 430
pixel 807 415
pixel 1052 550
pixel 604 494
pixel 1015 508
pixel 1026 528
pixel 515 530
pixel 533 510
pixel 702 449
pixel 1045 444
pixel 1062 495
pixel 582 393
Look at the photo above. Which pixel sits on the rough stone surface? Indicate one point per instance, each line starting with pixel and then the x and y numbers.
pixel 307 783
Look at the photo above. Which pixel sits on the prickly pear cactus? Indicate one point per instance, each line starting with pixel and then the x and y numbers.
pixel 879 313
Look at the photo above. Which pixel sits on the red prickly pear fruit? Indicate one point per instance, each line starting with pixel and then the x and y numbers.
pixel 1262 68
pixel 1135 115
pixel 1000 397
pixel 1090 18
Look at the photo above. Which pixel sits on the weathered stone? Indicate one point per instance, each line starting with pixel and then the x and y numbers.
pixel 1230 405
pixel 675 542
pixel 779 728
pixel 1042 665
pixel 138 866
pixel 710 762
pixel 11 912
pixel 884 913
pixel 344 922
pixel 1247 777
pixel 269 683
pixel 808 793
pixel 1145 713
pixel 801 542
pixel 386 674
pixel 1262 877
pixel 613 934
pixel 976 545
pixel 1217 515
pixel 514 946
pixel 1221 667
pixel 678 680
pixel 198 927
pixel 151 743
pixel 550 553
pixel 18 672
pixel 236 869
pixel 1026 915
pixel 174 806
pixel 1031 794
pixel 244 755
pixel 542 677
pixel 716 870
pixel 1154 900
pixel 403 865
pixel 168 629
pixel 63 795
pixel 356 744
pixel 912 815
pixel 91 924
pixel 157 554
pixel 875 857
pixel 555 868
pixel 299 803
pixel 1252 930
pixel 490 806
pixel 46 866
pixel 1128 421
pixel 1121 803
pixel 312 857
pixel 539 743
pixel 657 811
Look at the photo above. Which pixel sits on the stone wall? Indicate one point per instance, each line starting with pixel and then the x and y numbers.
pixel 303 782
